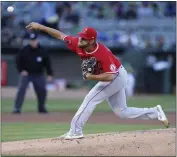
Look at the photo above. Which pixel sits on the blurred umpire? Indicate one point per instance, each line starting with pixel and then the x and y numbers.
pixel 31 63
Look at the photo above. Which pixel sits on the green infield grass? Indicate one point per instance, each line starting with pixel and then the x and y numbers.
pixel 25 131
pixel 63 105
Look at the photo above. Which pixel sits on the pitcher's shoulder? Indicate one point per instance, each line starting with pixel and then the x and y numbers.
pixel 103 47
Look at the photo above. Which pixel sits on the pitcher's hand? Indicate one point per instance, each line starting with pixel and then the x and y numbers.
pixel 34 26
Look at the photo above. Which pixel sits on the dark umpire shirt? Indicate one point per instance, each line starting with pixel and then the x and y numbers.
pixel 33 60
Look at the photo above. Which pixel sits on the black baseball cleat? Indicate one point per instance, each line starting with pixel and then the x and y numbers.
pixel 16 112
pixel 44 111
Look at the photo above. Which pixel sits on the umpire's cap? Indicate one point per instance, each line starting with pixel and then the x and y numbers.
pixel 33 36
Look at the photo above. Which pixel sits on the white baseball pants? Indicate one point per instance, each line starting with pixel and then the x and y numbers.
pixel 114 93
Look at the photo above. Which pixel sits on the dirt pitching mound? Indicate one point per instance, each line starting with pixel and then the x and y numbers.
pixel 138 143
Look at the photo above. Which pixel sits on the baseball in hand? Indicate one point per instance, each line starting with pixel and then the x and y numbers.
pixel 10 9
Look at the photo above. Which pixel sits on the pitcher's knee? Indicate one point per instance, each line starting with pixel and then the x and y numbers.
pixel 122 114
pixel 87 98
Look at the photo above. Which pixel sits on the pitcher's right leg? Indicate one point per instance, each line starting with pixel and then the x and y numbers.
pixel 119 106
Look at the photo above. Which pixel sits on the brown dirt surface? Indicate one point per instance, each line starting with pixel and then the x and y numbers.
pixel 66 117
pixel 137 143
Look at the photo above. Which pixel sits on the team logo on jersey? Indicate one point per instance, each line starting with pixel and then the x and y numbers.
pixel 39 59
pixel 113 67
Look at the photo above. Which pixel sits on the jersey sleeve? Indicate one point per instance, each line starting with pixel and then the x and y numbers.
pixel 109 66
pixel 71 42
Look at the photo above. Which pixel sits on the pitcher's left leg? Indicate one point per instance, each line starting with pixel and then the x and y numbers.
pixel 94 97
pixel 100 92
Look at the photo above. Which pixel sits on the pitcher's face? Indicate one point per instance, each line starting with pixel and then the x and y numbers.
pixel 83 43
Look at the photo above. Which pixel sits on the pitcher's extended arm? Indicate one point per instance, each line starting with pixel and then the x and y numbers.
pixel 53 32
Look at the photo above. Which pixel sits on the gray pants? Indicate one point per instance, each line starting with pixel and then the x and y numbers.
pixel 114 93
pixel 39 87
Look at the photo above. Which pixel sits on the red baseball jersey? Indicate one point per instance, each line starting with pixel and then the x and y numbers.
pixel 107 62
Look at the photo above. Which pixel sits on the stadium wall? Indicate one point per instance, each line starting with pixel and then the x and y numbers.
pixel 67 65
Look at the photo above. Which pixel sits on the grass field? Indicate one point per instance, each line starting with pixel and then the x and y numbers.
pixel 167 101
pixel 23 131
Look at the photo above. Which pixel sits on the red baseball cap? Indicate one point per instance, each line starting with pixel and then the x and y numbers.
pixel 88 33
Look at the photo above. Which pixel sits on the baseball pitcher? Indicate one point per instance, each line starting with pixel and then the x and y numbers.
pixel 100 64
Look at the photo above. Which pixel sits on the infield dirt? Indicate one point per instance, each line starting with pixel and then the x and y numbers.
pixel 138 143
